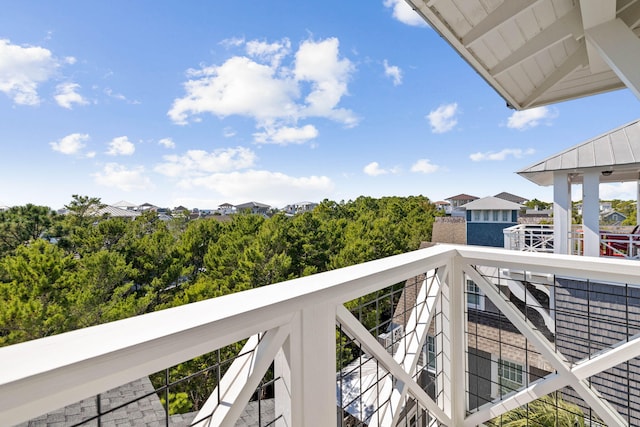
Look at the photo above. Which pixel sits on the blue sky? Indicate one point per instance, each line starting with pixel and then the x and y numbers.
pixel 200 103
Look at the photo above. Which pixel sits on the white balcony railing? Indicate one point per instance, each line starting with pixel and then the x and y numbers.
pixel 540 238
pixel 293 326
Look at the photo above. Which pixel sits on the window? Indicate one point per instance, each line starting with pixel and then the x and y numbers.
pixel 431 353
pixel 475 298
pixel 476 215
pixel 485 215
pixel 505 216
pixel 510 376
pixel 496 216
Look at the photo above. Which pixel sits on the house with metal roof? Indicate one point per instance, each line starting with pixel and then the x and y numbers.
pixel 611 157
pixel 487 218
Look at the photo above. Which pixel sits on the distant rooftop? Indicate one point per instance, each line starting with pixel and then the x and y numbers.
pixel 462 197
pixel 511 197
pixel 491 203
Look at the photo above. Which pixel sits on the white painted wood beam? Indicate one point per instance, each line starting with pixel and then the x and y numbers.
pixel 577 59
pixel 503 13
pixel 591 213
pixel 631 15
pixel 416 333
pixel 561 212
pixel 570 25
pixel 313 367
pixel 282 387
pixel 457 316
pixel 637 202
pixel 241 380
pixel 594 13
pixel 590 396
pixel 355 329
pixel 584 369
pixel 620 49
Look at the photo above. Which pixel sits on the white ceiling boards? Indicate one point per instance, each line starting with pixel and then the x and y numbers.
pixel 538 52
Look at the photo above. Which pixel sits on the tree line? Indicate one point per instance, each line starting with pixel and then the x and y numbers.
pixel 63 272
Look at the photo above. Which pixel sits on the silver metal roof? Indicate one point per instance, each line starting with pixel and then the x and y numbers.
pixel 491 203
pixel 538 52
pixel 617 151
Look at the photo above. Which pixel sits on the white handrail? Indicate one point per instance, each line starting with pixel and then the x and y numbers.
pixel 46 374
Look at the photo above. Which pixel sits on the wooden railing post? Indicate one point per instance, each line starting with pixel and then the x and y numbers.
pixel 313 367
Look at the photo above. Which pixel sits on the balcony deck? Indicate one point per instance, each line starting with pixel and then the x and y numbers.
pixel 540 238
pixel 306 338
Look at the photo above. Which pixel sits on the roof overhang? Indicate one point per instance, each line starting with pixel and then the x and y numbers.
pixel 538 52
pixel 615 155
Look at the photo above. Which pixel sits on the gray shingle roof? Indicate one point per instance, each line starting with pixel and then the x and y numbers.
pixel 146 412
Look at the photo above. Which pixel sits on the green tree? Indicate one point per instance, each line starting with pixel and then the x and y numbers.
pixel 106 291
pixel 36 284
pixel 23 224
pixel 548 411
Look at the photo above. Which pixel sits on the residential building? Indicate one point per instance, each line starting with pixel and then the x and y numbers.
pixel 612 217
pixel 253 207
pixel 456 203
pixel 487 218
pixel 226 209
pixel 443 206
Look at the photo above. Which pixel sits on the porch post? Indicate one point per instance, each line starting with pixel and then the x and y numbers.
pixel 591 213
pixel 561 212
pixel 313 367
pixel 638 202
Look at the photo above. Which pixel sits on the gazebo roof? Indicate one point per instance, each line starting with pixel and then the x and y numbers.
pixel 538 52
pixel 616 154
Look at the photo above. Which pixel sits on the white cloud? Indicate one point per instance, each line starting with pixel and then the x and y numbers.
pixel 374 169
pixel 443 118
pixel 22 69
pixel 286 135
pixel 527 119
pixel 424 166
pixel 620 190
pixel 268 187
pixel 274 94
pixel 501 155
pixel 121 146
pixel 228 132
pixel 232 42
pixel 404 13
pixel 199 162
pixel 167 143
pixel 319 64
pixel 394 72
pixel 70 144
pixel 123 178
pixel 240 86
pixel 67 95
pixel 120 97
pixel 270 52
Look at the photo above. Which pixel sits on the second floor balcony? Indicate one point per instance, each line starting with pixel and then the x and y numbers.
pixel 435 337
pixel 540 238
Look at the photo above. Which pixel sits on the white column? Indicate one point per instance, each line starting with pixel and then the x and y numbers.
pixel 283 386
pixel 313 367
pixel 591 213
pixel 457 349
pixel 638 203
pixel 561 212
